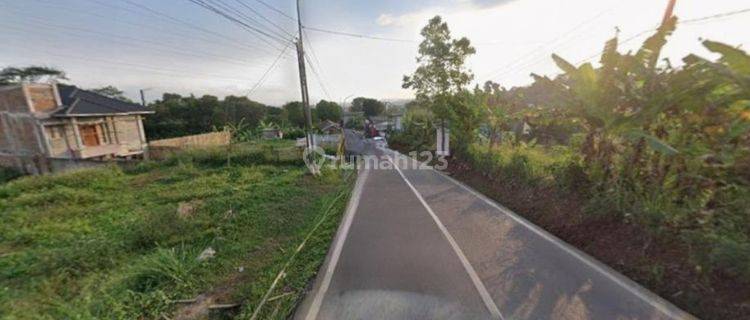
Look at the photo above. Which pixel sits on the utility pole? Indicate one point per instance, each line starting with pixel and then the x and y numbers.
pixel 143 96
pixel 303 81
pixel 669 13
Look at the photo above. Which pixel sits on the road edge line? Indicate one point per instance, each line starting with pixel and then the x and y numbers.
pixel 651 298
pixel 482 290
pixel 312 312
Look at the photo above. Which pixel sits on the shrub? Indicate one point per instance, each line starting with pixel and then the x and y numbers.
pixel 8 174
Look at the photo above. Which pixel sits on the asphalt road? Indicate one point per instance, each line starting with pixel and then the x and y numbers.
pixel 415 244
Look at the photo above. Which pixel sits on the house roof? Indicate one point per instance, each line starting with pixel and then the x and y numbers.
pixel 82 103
pixel 328 124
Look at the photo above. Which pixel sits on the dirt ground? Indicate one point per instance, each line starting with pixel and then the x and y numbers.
pixel 659 263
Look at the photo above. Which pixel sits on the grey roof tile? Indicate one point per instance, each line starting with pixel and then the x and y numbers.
pixel 79 102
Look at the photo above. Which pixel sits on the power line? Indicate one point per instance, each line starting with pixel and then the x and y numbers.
pixel 361 36
pixel 317 62
pixel 627 40
pixel 229 9
pixel 688 21
pixel 401 40
pixel 241 23
pixel 551 44
pixel 180 22
pixel 276 10
pixel 320 80
pixel 354 35
pixel 268 71
pixel 242 3
pixel 717 16
pixel 128 65
pixel 633 37
pixel 136 42
pixel 182 36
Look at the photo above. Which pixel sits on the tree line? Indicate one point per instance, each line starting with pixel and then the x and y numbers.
pixel 178 115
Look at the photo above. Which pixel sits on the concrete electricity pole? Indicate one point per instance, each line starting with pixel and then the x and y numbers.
pixel 143 96
pixel 670 11
pixel 303 81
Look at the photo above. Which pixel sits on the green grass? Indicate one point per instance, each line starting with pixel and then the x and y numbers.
pixel 110 243
pixel 531 164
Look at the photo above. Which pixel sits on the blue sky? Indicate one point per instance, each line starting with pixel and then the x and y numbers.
pixel 117 42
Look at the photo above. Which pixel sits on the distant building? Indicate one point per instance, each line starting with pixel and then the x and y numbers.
pixel 272 134
pixel 42 124
pixel 329 127
pixel 389 122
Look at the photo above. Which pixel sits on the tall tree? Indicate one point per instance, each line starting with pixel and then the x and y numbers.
pixel 236 109
pixel 294 113
pixel 371 107
pixel 275 115
pixel 441 75
pixel 13 75
pixel 328 110
pixel 179 116
pixel 358 104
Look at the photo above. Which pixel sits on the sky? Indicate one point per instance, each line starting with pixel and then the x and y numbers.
pixel 178 46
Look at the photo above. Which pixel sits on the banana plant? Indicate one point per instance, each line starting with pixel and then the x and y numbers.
pixel 619 101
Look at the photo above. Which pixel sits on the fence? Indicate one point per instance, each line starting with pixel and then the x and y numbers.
pixel 327 140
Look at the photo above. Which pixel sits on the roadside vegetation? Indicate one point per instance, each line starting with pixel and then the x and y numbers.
pixel 178 115
pixel 129 243
pixel 642 164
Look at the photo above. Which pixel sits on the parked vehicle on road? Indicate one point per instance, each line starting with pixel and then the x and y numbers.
pixel 380 142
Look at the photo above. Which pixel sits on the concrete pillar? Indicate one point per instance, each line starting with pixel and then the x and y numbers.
pixel 142 135
pixel 112 124
pixel 100 133
pixel 141 132
pixel 77 134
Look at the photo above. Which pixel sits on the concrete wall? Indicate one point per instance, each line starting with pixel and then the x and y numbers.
pixel 21 142
pixel 61 139
pixel 12 99
pixel 162 149
pixel 199 140
pixel 61 165
pixel 129 132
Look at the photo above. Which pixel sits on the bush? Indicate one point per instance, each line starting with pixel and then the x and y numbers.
pixel 294 134
pixel 8 174
pixel 165 268
pixel 570 176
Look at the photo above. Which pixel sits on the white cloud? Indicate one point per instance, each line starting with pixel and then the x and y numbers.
pixel 385 20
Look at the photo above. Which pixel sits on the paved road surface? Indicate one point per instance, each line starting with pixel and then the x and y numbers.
pixel 415 244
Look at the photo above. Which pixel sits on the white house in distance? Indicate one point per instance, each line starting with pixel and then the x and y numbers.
pixel 44 126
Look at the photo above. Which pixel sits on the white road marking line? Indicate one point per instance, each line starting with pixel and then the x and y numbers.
pixel 486 298
pixel 312 312
pixel 647 296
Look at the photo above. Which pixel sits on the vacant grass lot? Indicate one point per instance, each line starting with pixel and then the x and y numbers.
pixel 124 243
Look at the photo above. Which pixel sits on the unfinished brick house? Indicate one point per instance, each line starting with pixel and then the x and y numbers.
pixel 44 127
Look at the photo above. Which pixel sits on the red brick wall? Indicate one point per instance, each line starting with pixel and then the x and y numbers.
pixel 42 98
